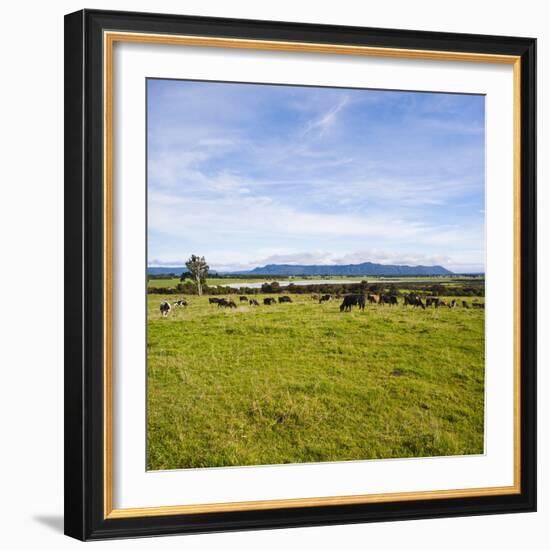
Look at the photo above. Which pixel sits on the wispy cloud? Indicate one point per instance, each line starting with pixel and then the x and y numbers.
pixel 327 119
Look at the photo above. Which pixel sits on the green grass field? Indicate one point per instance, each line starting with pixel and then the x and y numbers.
pixel 172 282
pixel 303 382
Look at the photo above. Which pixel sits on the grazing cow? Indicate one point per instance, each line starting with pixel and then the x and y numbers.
pixel 373 298
pixel 388 299
pixel 414 300
pixel 417 301
pixel 227 303
pixel 253 302
pixel 243 298
pixel 353 300
pixel 285 300
pixel 325 298
pixel 214 300
pixel 441 303
pixel 180 303
pixel 269 301
pixel 430 302
pixel 478 306
pixel 165 309
pixel 453 303
pixel 465 304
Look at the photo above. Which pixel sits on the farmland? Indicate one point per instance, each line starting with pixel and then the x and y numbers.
pixel 303 382
pixel 172 282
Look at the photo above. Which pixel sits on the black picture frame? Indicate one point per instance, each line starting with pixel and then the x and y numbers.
pixel 84 275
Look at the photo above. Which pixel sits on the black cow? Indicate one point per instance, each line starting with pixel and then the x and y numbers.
pixel 414 300
pixel 269 301
pixel 214 300
pixel 253 302
pixel 388 299
pixel 353 300
pixel 465 304
pixel 243 298
pixel 325 298
pixel 478 306
pixel 227 303
pixel 285 300
pixel 165 309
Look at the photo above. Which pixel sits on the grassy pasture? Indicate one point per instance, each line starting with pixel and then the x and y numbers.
pixel 303 382
pixel 173 281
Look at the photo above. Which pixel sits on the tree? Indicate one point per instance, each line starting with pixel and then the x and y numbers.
pixel 198 268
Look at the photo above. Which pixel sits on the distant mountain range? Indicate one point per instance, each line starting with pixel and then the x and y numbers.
pixel 366 268
pixel 177 270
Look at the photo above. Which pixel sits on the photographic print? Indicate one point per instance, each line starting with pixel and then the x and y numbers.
pixel 300 274
pixel 315 274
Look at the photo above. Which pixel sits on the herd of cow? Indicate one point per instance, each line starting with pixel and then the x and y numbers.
pixel 415 300
pixel 350 300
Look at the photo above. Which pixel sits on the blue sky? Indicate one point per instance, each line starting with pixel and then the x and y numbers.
pixel 248 175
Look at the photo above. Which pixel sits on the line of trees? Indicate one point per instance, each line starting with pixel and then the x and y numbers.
pixel 189 287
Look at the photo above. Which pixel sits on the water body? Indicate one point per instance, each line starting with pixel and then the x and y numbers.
pixel 326 282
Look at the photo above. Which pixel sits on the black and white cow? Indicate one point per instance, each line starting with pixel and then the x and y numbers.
pixel 165 309
pixel 415 300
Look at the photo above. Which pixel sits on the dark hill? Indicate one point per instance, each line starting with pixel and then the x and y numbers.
pixel 366 268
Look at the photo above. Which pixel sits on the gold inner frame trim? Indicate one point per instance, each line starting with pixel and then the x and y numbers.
pixel 109 39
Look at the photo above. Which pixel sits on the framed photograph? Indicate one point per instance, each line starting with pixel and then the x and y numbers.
pixel 300 274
